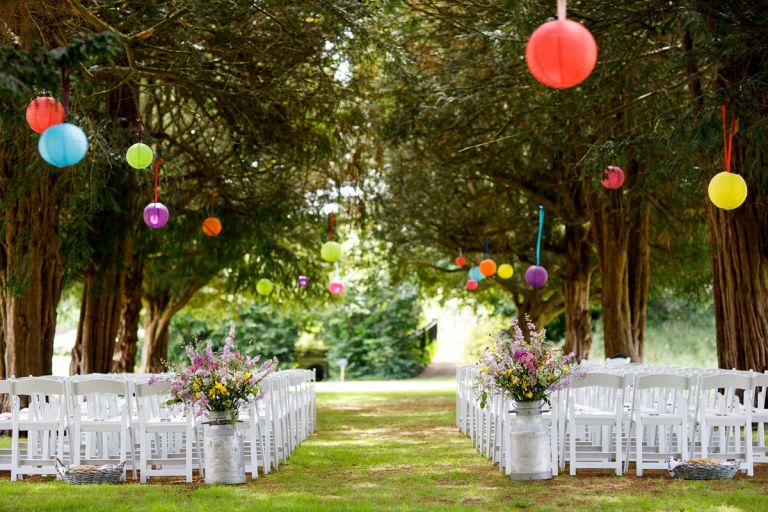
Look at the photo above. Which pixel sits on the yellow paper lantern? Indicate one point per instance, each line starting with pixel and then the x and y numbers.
pixel 727 190
pixel 264 286
pixel 505 271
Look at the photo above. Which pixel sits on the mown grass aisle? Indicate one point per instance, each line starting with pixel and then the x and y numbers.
pixel 393 450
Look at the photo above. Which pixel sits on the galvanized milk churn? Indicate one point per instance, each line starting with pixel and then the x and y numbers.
pixel 224 455
pixel 529 444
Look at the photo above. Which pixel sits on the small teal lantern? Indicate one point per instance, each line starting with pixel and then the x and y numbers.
pixel 475 274
pixel 63 145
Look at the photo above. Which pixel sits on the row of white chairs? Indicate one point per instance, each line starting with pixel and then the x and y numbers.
pixel 111 418
pixel 622 413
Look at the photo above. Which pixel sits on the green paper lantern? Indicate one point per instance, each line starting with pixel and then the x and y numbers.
pixel 264 286
pixel 139 155
pixel 331 251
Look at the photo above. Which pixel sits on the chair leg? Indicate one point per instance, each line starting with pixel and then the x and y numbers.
pixel 638 448
pixel 143 440
pixel 619 463
pixel 188 455
pixel 572 441
pixel 704 435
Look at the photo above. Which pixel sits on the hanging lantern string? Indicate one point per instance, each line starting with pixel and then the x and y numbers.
pixel 561 10
pixel 66 87
pixel 157 173
pixel 212 195
pixel 728 138
pixel 331 224
pixel 140 128
pixel 538 241
pixel 486 247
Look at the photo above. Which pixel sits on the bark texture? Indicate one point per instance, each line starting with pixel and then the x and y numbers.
pixel 124 358
pixel 576 288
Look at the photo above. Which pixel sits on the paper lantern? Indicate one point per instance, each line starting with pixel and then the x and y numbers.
pixel 472 285
pixel 336 287
pixel 139 156
pixel 613 177
pixel 264 286
pixel 727 190
pixel 63 145
pixel 536 276
pixel 561 53
pixel 156 215
pixel 302 281
pixel 44 112
pixel 488 267
pixel 474 273
pixel 460 261
pixel 505 271
pixel 212 226
pixel 331 251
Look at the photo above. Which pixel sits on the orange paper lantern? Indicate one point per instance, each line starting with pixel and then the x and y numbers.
pixel 488 267
pixel 561 53
pixel 44 112
pixel 212 226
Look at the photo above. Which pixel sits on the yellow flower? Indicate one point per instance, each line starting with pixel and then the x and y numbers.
pixel 222 389
pixel 482 368
pixel 196 386
pixel 551 375
pixel 529 394
pixel 565 369
pixel 509 372
pixel 247 375
pixel 197 396
pixel 212 392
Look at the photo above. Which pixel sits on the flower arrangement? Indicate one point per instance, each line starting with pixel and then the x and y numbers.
pixel 524 369
pixel 218 381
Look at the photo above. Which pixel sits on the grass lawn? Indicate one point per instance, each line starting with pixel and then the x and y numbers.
pixel 394 450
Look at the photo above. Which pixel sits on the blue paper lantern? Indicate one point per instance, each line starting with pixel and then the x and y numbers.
pixel 63 145
pixel 475 274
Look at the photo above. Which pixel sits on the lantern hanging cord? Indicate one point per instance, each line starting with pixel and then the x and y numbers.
pixel 140 129
pixel 538 241
pixel 212 195
pixel 333 215
pixel 561 10
pixel 157 173
pixel 66 87
pixel 486 247
pixel 728 138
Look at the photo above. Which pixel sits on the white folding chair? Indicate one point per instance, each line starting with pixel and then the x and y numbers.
pixel 6 423
pixel 726 412
pixel 45 422
pixel 760 416
pixel 659 403
pixel 166 436
pixel 102 415
pixel 595 419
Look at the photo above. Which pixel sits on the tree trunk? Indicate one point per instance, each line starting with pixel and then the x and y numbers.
pixel 31 278
pixel 157 319
pixel 124 359
pixel 639 272
pixel 99 320
pixel 576 281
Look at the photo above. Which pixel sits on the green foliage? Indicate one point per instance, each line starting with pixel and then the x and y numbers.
pixel 373 328
pixel 262 330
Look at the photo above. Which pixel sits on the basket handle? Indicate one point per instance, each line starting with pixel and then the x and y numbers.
pixel 60 468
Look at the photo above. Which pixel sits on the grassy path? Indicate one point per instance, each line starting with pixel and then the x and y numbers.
pixel 393 450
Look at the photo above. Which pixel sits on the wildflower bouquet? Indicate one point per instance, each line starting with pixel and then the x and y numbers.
pixel 524 369
pixel 219 381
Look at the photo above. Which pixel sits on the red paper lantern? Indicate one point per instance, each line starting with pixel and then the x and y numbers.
pixel 488 267
pixel 561 53
pixel 471 285
pixel 613 177
pixel 460 261
pixel 44 112
pixel 212 226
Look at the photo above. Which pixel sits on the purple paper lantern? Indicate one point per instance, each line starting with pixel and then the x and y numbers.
pixel 335 287
pixel 536 276
pixel 303 281
pixel 156 215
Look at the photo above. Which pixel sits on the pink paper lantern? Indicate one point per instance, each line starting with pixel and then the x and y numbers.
pixel 472 285
pixel 561 53
pixel 156 215
pixel 336 287
pixel 536 276
pixel 613 177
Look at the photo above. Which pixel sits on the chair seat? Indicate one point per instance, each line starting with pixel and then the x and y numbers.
pixel 101 425
pixel 661 419
pixel 38 425
pixel 725 418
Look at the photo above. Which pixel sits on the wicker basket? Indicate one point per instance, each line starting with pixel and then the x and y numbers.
pixel 706 471
pixel 107 474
